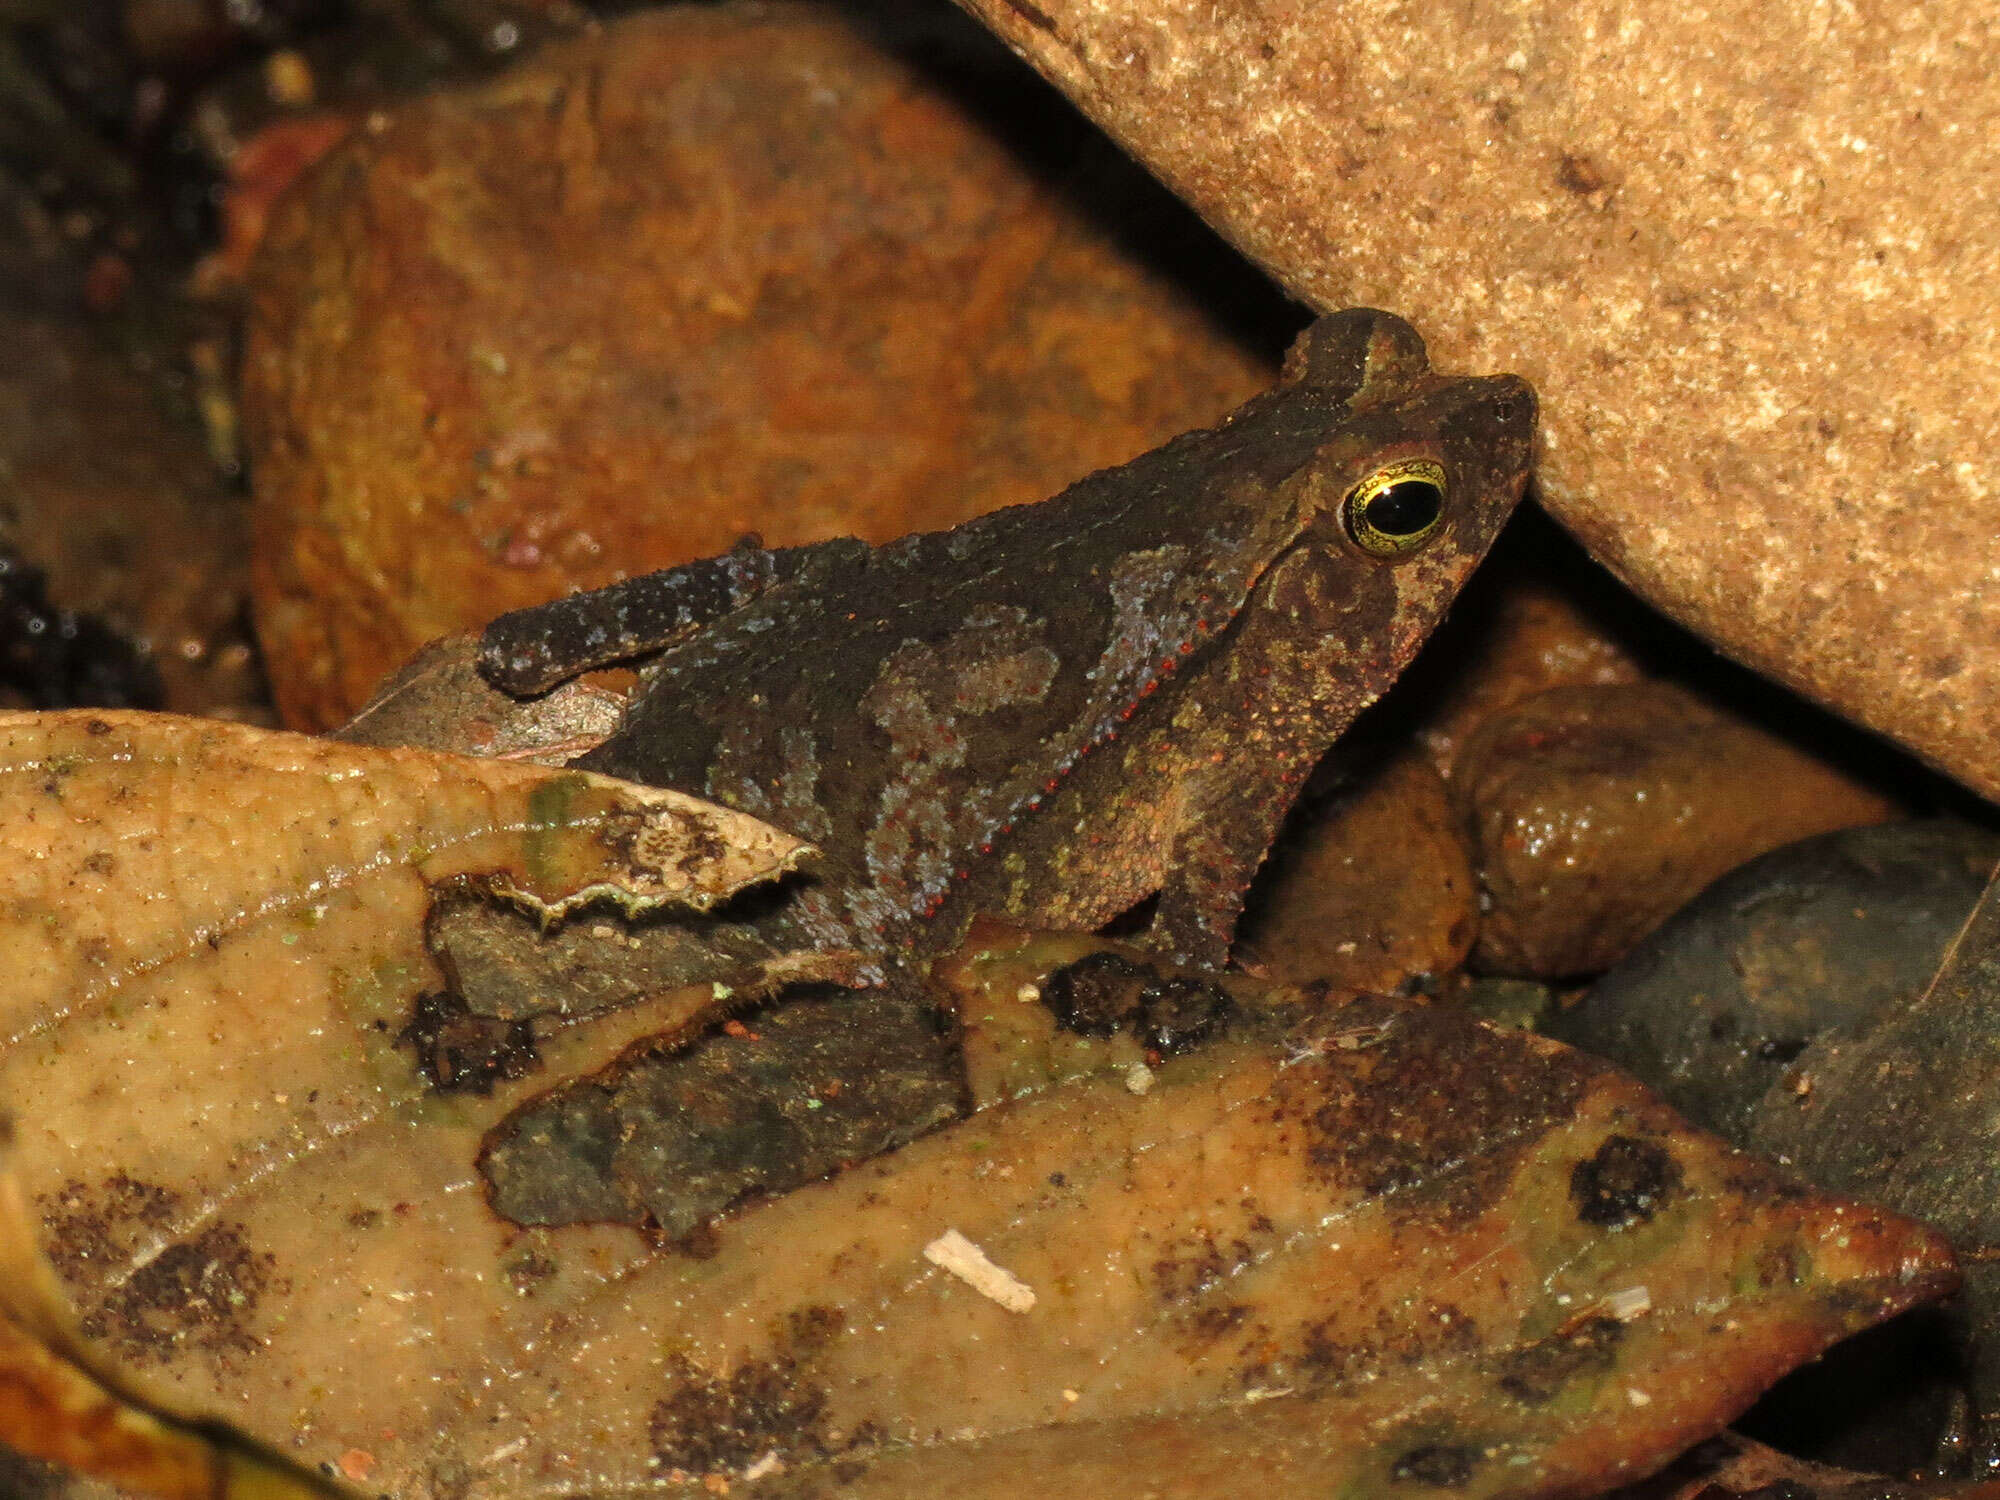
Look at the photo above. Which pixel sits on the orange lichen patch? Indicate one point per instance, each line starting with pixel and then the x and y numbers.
pixel 356 1464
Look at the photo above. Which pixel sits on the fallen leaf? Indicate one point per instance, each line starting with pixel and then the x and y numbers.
pixel 1328 1250
pixel 63 1403
pixel 438 701
pixel 215 939
pixel 1732 1467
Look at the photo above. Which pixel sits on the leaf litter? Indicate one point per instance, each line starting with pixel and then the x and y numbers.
pixel 1362 1249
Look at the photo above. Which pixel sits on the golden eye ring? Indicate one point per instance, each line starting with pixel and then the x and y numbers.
pixel 1396 509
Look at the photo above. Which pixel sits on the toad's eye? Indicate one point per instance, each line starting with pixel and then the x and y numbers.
pixel 1395 510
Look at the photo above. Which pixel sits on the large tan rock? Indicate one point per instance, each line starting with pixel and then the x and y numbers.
pixel 1746 252
pixel 716 269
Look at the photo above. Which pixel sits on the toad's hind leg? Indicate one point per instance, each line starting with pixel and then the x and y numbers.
pixel 529 651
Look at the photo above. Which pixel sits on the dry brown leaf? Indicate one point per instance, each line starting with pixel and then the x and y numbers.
pixel 438 701
pixel 1375 1247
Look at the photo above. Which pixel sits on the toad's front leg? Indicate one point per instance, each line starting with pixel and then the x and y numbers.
pixel 1215 855
pixel 1305 659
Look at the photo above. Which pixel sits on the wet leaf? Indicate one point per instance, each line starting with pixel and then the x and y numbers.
pixel 63 1403
pixel 1365 1250
pixel 219 984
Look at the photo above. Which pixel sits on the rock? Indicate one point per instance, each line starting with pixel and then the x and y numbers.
pixel 121 508
pixel 1538 638
pixel 1597 812
pixel 1714 1006
pixel 1715 1009
pixel 714 270
pixel 1377 894
pixel 1512 1004
pixel 1538 614
pixel 1745 255
pixel 1898 1106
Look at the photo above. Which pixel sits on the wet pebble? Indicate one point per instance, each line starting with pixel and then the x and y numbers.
pixel 1375 894
pixel 1598 811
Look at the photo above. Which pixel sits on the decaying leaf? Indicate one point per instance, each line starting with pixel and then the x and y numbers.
pixel 1732 1467
pixel 438 701
pixel 219 982
pixel 1371 1250
pixel 62 1402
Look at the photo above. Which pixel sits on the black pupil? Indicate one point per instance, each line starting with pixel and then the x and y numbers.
pixel 1404 508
